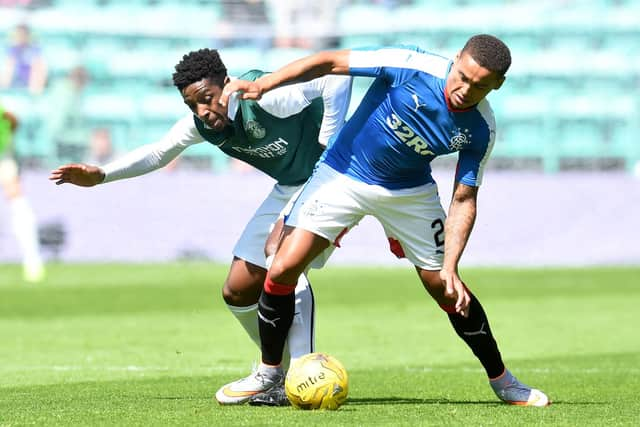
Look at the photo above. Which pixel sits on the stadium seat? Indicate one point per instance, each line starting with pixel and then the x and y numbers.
pixel 623 141
pixel 142 64
pixel 521 106
pixel 278 57
pixel 20 102
pixel 241 59
pixel 110 107
pixel 523 138
pixel 364 19
pixel 367 40
pixel 61 56
pixel 164 106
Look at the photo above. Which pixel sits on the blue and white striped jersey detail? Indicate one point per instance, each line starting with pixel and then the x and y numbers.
pixel 487 114
pixel 407 57
pixel 403 122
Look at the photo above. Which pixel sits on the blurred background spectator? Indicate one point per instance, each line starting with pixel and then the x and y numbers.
pixel 242 23
pixel 100 147
pixel 21 217
pixel 306 24
pixel 71 134
pixel 24 65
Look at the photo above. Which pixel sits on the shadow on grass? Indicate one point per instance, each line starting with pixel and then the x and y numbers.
pixel 412 401
pixel 364 401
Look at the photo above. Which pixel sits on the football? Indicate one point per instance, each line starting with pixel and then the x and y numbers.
pixel 317 381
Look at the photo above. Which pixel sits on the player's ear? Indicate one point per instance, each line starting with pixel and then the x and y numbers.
pixel 226 80
pixel 501 80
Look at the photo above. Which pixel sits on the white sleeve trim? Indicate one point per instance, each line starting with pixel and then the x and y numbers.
pixel 487 114
pixel 334 90
pixel 435 65
pixel 153 156
pixel 336 96
pixel 285 101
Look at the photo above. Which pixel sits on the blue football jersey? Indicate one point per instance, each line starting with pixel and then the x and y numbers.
pixel 404 122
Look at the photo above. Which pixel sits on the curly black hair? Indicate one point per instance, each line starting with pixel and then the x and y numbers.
pixel 198 65
pixel 489 52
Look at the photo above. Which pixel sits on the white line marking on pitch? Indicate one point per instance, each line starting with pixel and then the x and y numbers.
pixel 130 368
pixel 537 370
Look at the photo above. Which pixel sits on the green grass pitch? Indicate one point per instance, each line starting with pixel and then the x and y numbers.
pixel 149 345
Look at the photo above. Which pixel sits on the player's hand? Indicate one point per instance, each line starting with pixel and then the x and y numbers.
pixel 78 174
pixel 246 89
pixel 455 288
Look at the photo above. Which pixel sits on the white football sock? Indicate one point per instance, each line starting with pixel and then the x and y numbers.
pixel 301 336
pixel 24 227
pixel 248 318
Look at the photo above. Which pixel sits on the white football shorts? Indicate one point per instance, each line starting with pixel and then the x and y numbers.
pixel 332 203
pixel 250 245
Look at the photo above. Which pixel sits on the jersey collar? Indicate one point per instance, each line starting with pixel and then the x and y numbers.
pixel 234 104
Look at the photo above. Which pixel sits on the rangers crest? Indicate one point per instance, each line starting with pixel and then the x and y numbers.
pixel 459 138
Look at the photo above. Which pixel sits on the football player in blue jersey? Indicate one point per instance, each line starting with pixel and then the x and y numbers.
pixel 282 135
pixel 419 106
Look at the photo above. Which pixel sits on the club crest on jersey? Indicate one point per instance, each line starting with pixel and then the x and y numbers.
pixel 255 129
pixel 408 136
pixel 312 208
pixel 459 137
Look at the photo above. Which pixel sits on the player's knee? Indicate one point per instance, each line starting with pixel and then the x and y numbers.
pixel 227 294
pixel 241 296
pixel 284 272
pixel 437 292
pixel 435 287
pixel 273 287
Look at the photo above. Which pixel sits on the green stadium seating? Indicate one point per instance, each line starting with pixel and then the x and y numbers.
pixel 572 91
pixel 163 106
pixel 241 59
pixel 278 57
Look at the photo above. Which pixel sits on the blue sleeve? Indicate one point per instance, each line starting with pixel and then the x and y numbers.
pixel 473 158
pixel 471 164
pixel 468 167
pixel 393 64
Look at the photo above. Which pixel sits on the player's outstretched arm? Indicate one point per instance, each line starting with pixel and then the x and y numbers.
pixel 460 220
pixel 79 174
pixel 302 70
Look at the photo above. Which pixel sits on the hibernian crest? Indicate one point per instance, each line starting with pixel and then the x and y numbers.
pixel 459 137
pixel 255 129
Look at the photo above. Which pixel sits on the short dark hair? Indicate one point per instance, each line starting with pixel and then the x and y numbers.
pixel 198 65
pixel 489 52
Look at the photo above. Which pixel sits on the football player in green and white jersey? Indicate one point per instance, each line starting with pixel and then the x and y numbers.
pixel 23 220
pixel 283 135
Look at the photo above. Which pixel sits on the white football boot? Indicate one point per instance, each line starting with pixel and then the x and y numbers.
pixel 262 379
pixel 510 390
